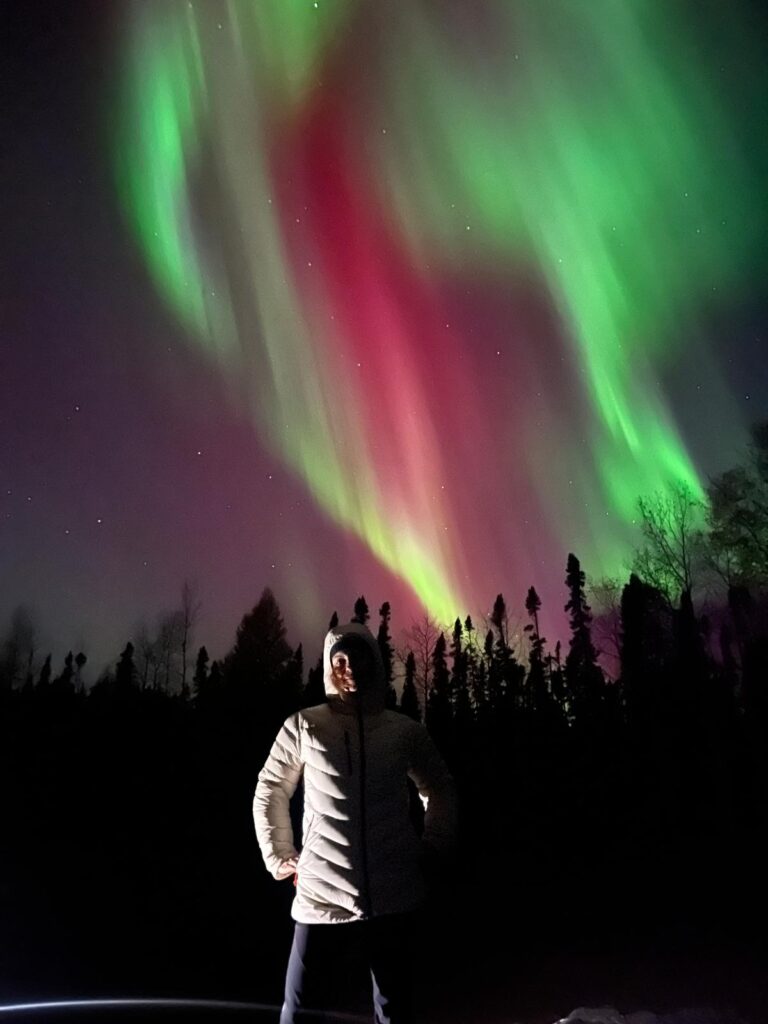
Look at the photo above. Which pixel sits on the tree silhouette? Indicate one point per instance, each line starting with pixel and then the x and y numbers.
pixel 256 666
pixel 80 661
pixel 290 687
pixel 422 636
pixel 190 609
pixel 636 804
pixel 18 649
pixel 409 701
pixel 537 682
pixel 652 804
pixel 693 662
pixel 125 676
pixel 605 599
pixel 505 674
pixel 44 678
pixel 215 678
pixel 557 678
pixel 737 517
pixel 646 653
pixel 260 652
pixel 200 678
pixel 64 683
pixel 361 614
pixel 147 658
pixel 438 715
pixel 167 649
pixel 499 620
pixel 461 705
pixel 583 676
pixel 314 691
pixel 673 527
pixel 476 671
pixel 385 646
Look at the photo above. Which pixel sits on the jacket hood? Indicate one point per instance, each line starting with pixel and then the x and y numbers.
pixel 372 693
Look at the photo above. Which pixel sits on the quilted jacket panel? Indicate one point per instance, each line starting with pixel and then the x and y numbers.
pixel 360 855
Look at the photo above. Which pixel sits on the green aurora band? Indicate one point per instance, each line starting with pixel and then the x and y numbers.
pixel 596 148
pixel 584 143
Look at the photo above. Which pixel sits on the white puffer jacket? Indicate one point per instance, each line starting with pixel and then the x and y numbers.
pixel 360 856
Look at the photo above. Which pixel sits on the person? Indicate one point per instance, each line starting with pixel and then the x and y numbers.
pixel 362 873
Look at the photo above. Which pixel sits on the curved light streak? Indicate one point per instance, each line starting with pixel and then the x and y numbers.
pixel 212 1004
pixel 314 184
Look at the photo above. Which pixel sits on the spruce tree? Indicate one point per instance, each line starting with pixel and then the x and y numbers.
pixel 461 703
pixel 80 661
pixel 387 656
pixel 493 682
pixel 583 676
pixel 557 678
pixel 261 652
pixel 438 712
pixel 200 678
pixel 64 684
pixel 457 665
pixel 44 678
pixel 215 679
pixel 409 701
pixel 257 671
pixel 125 675
pixel 361 614
pixel 646 653
pixel 475 671
pixel 505 674
pixel 537 683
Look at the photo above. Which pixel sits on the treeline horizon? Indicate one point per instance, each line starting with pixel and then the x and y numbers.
pixel 608 810
pixel 689 549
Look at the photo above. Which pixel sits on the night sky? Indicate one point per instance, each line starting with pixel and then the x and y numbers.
pixel 406 298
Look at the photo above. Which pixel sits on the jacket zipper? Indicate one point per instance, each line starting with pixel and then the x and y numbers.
pixel 349 752
pixel 363 822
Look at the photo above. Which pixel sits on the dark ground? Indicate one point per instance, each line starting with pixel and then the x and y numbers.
pixel 472 970
pixel 129 868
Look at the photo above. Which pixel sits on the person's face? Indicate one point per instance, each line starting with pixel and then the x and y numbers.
pixel 350 670
pixel 343 676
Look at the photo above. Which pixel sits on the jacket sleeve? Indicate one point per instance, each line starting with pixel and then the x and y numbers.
pixel 276 785
pixel 434 782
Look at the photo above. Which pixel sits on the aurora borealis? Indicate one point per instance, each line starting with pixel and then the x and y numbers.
pixel 472 276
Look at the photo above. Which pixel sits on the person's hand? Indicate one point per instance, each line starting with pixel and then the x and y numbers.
pixel 288 868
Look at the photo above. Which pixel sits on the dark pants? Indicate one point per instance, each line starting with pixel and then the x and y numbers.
pixel 322 954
